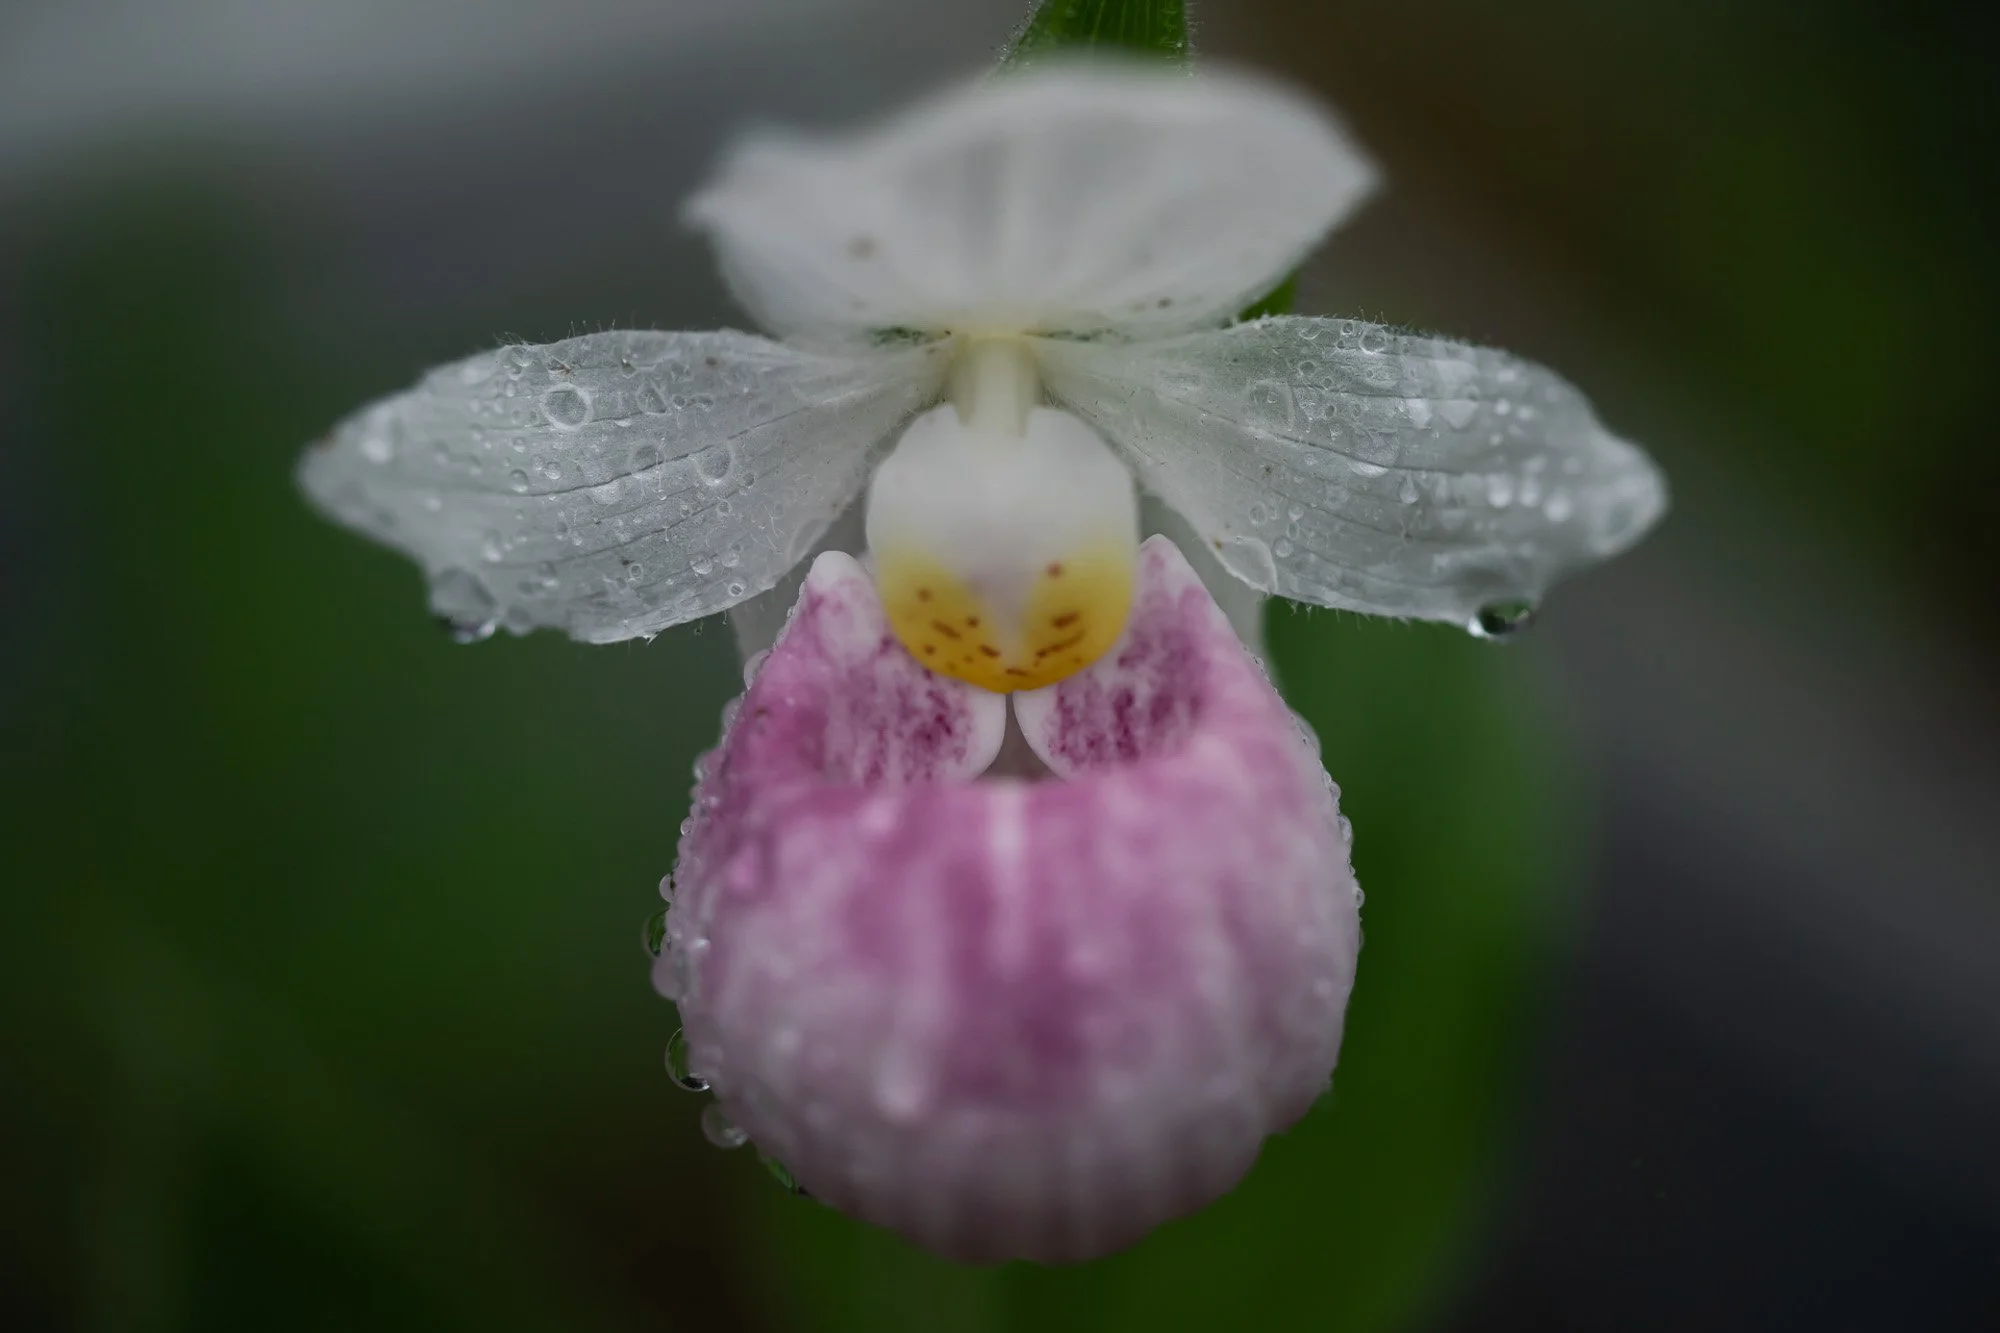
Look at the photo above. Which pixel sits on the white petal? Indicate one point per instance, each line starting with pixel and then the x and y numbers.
pixel 615 484
pixel 1068 199
pixel 1349 465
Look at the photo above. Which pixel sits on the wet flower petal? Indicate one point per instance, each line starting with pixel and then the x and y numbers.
pixel 614 484
pixel 1352 465
pixel 1014 1019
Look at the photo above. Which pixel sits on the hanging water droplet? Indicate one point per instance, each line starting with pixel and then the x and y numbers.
pixel 462 604
pixel 677 1061
pixel 654 934
pixel 1408 491
pixel 751 665
pixel 1502 620
pixel 719 1129
pixel 782 1175
pixel 518 480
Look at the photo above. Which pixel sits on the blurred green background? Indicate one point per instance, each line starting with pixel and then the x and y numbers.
pixel 322 1003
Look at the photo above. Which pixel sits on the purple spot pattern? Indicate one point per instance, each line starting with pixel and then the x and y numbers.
pixel 1013 1019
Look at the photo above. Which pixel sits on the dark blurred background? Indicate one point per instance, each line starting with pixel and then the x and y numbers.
pixel 321 999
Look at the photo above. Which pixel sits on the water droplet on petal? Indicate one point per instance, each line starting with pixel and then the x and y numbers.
pixel 567 406
pixel 677 1061
pixel 1408 493
pixel 1501 620
pixel 713 465
pixel 719 1129
pixel 518 480
pixel 751 664
pixel 1250 560
pixel 654 934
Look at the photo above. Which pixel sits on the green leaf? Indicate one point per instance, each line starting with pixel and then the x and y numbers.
pixel 1278 301
pixel 1155 28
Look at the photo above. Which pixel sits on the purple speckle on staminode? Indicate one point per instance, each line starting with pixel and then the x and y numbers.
pixel 1013 1018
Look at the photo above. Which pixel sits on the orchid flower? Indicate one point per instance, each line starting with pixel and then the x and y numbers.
pixel 1015 909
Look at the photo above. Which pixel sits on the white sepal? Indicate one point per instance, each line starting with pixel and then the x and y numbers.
pixel 1073 199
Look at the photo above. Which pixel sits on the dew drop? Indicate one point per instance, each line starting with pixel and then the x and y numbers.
pixel 703 566
pixel 654 935
pixel 713 465
pixel 678 1054
pixel 1458 413
pixel 1259 515
pixel 1501 620
pixel 781 1174
pixel 567 406
pixel 1374 340
pixel 518 480
pixel 1250 560
pixel 1408 493
pixel 735 589
pixel 752 665
pixel 377 449
pixel 1283 548
pixel 461 602
pixel 719 1129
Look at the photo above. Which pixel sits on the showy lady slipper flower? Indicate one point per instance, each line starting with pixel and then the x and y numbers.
pixel 1028 1008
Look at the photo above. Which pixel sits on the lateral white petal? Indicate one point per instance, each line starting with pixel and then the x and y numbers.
pixel 615 484
pixel 1350 465
pixel 1072 198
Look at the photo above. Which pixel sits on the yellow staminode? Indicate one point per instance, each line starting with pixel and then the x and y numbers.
pixel 1070 618
pixel 1004 533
